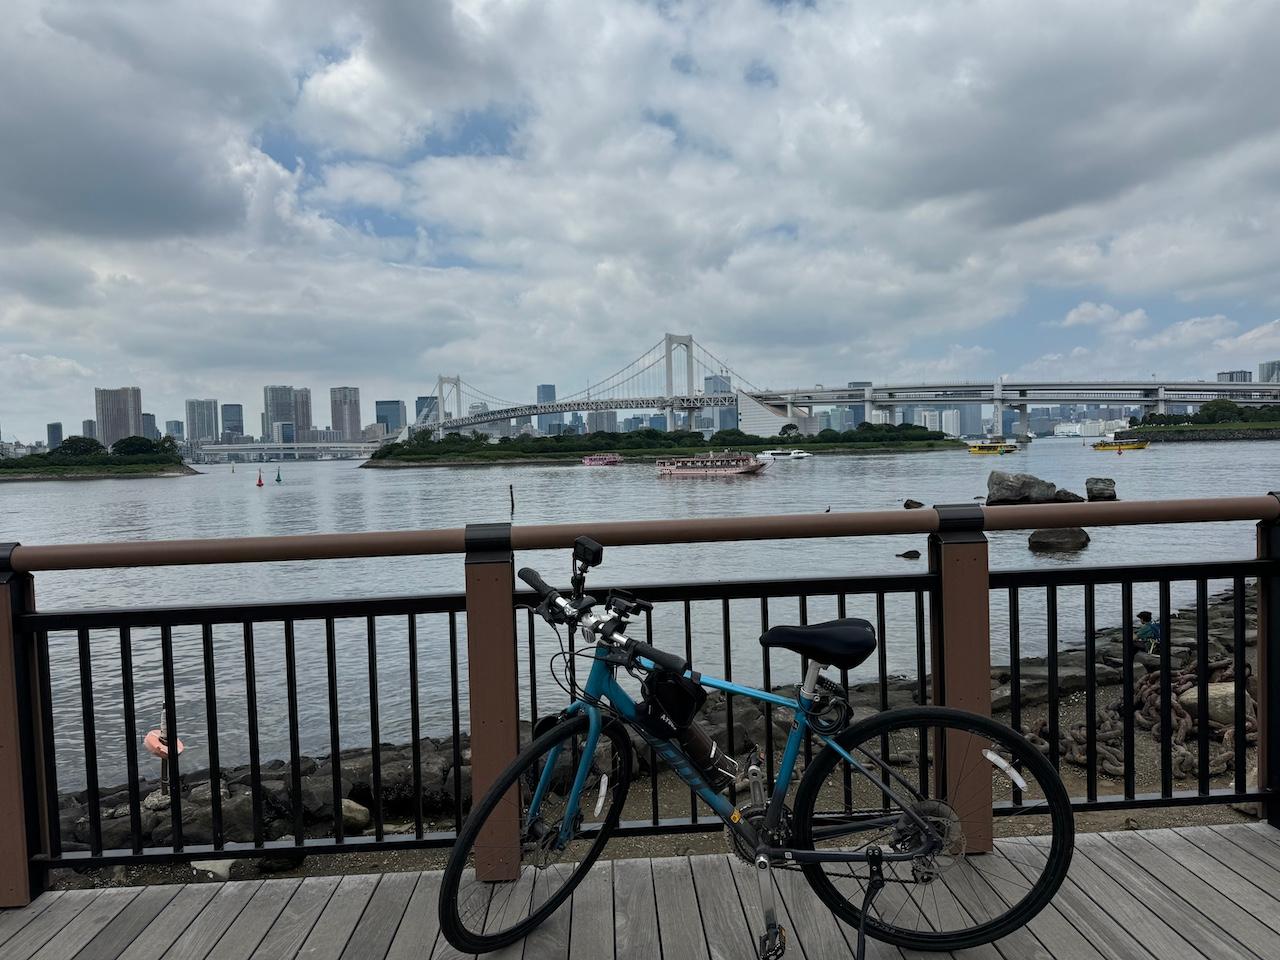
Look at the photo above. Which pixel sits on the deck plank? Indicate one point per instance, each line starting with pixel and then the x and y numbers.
pixel 47 923
pixel 11 921
pixel 1198 893
pixel 725 924
pixel 1242 860
pixel 377 927
pixel 114 938
pixel 1254 842
pixel 183 910
pixel 635 914
pixel 419 928
pixel 207 929
pixel 550 940
pixel 1236 888
pixel 241 939
pixel 73 937
pixel 1116 877
pixel 295 922
pixel 677 918
pixel 333 929
pixel 1108 937
pixel 591 938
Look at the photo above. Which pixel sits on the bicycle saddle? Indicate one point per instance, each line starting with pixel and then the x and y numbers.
pixel 838 643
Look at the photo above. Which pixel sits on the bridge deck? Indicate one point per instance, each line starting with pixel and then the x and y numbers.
pixel 1199 892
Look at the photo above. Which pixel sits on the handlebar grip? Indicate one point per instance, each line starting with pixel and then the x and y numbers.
pixel 668 661
pixel 533 579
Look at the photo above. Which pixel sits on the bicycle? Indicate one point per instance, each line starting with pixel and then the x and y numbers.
pixel 907 861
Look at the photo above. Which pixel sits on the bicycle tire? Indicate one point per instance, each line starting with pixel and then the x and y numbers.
pixel 521 771
pixel 1057 807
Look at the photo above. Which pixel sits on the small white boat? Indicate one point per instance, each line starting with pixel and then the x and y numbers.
pixel 784 455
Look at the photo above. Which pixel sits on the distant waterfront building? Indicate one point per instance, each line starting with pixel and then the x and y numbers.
pixel 392 413
pixel 53 435
pixel 284 432
pixel 117 414
pixel 950 422
pixel 858 411
pixel 149 428
pixel 602 421
pixel 89 428
pixel 658 422
pixel 202 421
pixel 173 428
pixel 547 394
pixel 344 410
pixel 722 418
pixel 277 406
pixel 971 420
pixel 429 404
pixel 302 409
pixel 233 418
pixel 373 431
pixel 1235 376
pixel 1269 371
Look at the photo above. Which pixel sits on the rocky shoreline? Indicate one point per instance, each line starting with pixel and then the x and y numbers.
pixel 440 773
pixel 1195 434
pixel 104 473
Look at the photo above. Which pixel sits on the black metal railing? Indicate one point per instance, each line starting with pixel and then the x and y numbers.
pixel 1123 714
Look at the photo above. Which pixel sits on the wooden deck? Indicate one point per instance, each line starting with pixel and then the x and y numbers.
pixel 1198 892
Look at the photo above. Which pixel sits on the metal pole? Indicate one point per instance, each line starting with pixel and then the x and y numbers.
pixel 494 693
pixel 20 822
pixel 1269 671
pixel 962 660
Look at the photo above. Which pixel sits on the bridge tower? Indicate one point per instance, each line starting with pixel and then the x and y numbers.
pixel 447 388
pixel 669 345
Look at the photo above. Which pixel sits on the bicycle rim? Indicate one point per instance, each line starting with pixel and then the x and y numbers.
pixel 949 768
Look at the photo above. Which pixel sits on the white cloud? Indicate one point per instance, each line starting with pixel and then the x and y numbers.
pixel 820 193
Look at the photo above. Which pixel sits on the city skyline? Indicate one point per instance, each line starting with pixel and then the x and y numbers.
pixel 815 191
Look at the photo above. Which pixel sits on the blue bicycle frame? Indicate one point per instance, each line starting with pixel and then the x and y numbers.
pixel 603 686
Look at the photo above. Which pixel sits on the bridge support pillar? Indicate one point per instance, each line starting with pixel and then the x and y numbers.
pixel 1024 421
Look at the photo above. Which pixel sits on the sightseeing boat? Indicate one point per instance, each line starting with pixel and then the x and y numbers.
pixel 992 448
pixel 1119 446
pixel 783 455
pixel 726 464
pixel 602 459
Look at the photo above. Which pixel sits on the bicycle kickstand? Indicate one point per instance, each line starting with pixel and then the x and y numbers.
pixel 875 860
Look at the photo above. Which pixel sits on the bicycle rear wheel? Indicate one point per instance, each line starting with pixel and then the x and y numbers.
pixel 478 914
pixel 949 767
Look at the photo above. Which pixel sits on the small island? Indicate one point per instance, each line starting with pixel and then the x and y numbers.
pixel 454 449
pixel 82 458
pixel 1217 420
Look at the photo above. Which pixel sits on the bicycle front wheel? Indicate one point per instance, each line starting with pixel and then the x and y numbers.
pixel 946 769
pixel 520 853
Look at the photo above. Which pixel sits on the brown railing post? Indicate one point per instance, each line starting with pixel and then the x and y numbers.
pixel 494 691
pixel 962 660
pixel 20 823
pixel 1269 672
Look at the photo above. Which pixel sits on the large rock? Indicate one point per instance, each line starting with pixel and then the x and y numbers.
pixel 1100 488
pixel 355 817
pixel 1006 488
pixel 1222 702
pixel 1066 496
pixel 1063 540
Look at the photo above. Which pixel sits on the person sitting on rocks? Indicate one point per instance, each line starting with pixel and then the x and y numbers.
pixel 1149 631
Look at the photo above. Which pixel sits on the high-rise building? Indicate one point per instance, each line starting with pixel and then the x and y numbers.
pixel 344 410
pixel 971 420
pixel 722 418
pixel 392 413
pixel 950 421
pixel 53 435
pixel 1235 376
pixel 202 421
pixel 429 404
pixel 117 414
pixel 285 432
pixel 602 421
pixel 88 428
pixel 277 407
pixel 233 418
pixel 858 411
pixel 302 410
pixel 173 428
pixel 1269 371
pixel 547 394
pixel 149 428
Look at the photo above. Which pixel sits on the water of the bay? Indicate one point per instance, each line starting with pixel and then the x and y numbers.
pixel 337 496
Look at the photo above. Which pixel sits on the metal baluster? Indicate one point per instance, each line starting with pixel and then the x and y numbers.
pixel 457 721
pixel 211 724
pixel 1126 633
pixel 768 685
pixel 90 743
pixel 688 655
pixel 1202 685
pixel 171 737
pixel 295 758
pixel 882 666
pixel 728 697
pixel 1090 697
pixel 1051 609
pixel 845 770
pixel 335 737
pixel 251 704
pixel 922 745
pixel 130 736
pixel 1015 677
pixel 1239 667
pixel 1166 696
pixel 414 727
pixel 376 740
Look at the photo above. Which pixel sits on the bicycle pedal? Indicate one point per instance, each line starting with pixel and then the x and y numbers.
pixel 773 944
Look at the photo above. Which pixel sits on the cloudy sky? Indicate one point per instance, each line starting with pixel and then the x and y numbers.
pixel 203 198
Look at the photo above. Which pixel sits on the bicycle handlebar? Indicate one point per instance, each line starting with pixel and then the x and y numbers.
pixel 534 579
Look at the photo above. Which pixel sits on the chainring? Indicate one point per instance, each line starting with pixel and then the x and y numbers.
pixel 755 816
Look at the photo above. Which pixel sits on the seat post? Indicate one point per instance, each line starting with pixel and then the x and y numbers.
pixel 810 686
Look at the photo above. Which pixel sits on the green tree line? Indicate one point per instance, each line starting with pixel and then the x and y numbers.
pixel 86 452
pixel 421 445
pixel 1215 411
